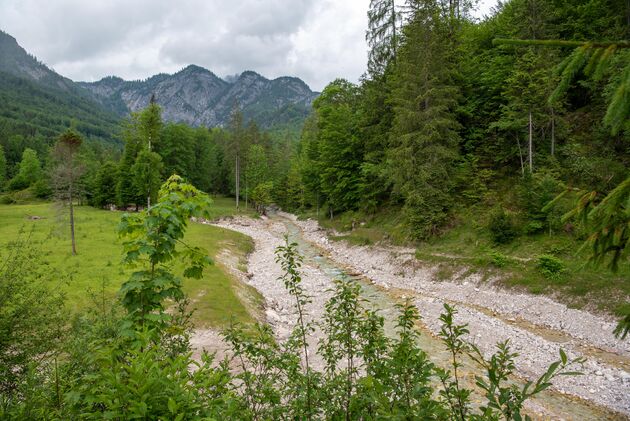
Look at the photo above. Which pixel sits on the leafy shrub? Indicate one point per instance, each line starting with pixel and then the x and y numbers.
pixel 498 259
pixel 550 266
pixel 502 227
pixel 41 189
pixel 31 313
pixel 533 227
pixel 535 192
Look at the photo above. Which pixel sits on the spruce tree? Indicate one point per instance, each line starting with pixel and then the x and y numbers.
pixel 125 190
pixel 424 137
pixel 382 35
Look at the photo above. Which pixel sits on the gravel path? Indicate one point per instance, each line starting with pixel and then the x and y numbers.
pixel 492 314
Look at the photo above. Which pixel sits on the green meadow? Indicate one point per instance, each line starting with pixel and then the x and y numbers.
pixel 97 269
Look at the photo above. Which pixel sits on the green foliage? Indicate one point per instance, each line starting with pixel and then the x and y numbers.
pixel 105 185
pixel 550 266
pixel 608 222
pixel 382 34
pixel 29 172
pixel 143 382
pixel 262 195
pixel 146 174
pixel 498 259
pixel 502 226
pixel 339 149
pixel 31 316
pixel 535 192
pixel 150 241
pixel 257 167
pixel 424 135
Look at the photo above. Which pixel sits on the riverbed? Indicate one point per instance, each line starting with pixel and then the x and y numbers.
pixel 536 326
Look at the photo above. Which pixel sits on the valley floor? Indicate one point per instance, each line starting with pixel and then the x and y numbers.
pixel 537 326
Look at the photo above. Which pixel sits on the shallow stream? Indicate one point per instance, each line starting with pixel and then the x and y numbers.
pixel 555 404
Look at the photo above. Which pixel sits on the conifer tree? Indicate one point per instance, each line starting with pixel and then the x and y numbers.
pixel 424 136
pixel 105 185
pixel 382 35
pixel 66 173
pixel 236 149
pixel 125 189
pixel 309 157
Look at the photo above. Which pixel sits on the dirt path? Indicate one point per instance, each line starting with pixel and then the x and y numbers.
pixel 536 326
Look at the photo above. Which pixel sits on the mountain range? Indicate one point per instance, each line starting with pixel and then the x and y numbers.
pixel 194 96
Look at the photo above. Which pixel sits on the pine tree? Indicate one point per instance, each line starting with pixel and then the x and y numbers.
pixel 151 124
pixel 382 35
pixel 105 185
pixel 309 157
pixel 424 136
pixel 126 192
pixel 176 147
pixel 236 148
pixel 66 172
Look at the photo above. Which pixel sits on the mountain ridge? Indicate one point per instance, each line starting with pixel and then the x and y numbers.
pixel 193 95
pixel 197 96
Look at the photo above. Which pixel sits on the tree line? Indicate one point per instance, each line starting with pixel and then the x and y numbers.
pixel 240 158
pixel 446 117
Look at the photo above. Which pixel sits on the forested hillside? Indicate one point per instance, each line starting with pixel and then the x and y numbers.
pixel 448 123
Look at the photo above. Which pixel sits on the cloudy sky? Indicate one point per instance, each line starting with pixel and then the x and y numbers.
pixel 316 40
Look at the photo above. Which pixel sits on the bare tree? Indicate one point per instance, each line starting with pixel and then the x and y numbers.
pixel 65 174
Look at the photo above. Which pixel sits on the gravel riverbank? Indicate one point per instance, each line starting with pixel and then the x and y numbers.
pixel 493 314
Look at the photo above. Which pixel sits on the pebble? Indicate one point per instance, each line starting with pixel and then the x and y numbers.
pixel 536 351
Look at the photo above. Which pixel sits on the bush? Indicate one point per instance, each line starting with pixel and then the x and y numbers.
pixel 41 189
pixel 31 314
pixel 535 192
pixel 550 266
pixel 498 259
pixel 502 227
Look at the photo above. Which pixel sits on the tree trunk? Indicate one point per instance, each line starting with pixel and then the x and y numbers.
pixel 237 180
pixel 520 155
pixel 531 161
pixel 553 132
pixel 394 47
pixel 74 245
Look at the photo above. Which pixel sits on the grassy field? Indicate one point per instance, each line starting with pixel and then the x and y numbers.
pixel 218 296
pixel 467 244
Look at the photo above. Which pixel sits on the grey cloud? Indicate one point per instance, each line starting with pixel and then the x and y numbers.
pixel 316 40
